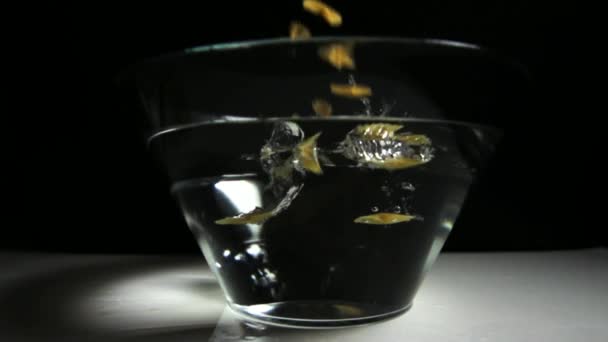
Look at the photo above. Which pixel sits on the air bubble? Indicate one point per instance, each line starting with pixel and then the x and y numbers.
pixel 408 186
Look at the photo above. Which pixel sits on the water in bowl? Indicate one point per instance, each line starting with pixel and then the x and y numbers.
pixel 309 263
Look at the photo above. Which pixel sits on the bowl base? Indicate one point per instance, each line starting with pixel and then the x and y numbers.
pixel 316 314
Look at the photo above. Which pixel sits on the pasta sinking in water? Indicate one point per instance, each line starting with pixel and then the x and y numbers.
pixel 377 130
pixel 388 131
pixel 321 107
pixel 338 55
pixel 351 90
pixel 395 163
pixel 256 216
pixel 306 155
pixel 298 31
pixel 331 16
pixel 380 146
pixel 384 218
pixel 414 139
pixel 259 215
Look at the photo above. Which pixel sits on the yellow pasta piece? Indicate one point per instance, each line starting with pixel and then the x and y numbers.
pixel 395 163
pixel 331 16
pixel 298 31
pixel 256 216
pixel 351 90
pixel 378 130
pixel 321 107
pixel 338 55
pixel 414 139
pixel 306 155
pixel 384 218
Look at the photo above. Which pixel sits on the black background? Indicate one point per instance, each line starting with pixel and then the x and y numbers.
pixel 79 179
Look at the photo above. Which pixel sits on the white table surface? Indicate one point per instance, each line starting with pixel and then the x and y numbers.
pixel 517 296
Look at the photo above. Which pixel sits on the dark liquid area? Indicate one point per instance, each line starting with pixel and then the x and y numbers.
pixel 314 251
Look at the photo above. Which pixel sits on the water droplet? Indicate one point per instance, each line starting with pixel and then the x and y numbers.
pixel 387 107
pixel 270 275
pixel 218 265
pixel 249 157
pixel 408 186
pixel 385 188
pixel 367 106
pixel 351 79
pixel 226 253
pixel 375 209
pixel 397 209
pixel 256 251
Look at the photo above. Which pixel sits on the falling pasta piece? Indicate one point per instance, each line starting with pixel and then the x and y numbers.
pixel 298 31
pixel 414 139
pixel 395 163
pixel 377 130
pixel 321 107
pixel 384 218
pixel 351 90
pixel 338 55
pixel 256 216
pixel 331 16
pixel 313 6
pixel 306 155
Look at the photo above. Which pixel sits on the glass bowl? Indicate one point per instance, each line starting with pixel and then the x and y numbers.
pixel 321 177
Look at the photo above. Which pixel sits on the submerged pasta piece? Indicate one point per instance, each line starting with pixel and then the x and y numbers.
pixel 256 216
pixel 298 31
pixel 384 218
pixel 259 215
pixel 414 139
pixel 388 131
pixel 350 90
pixel 380 146
pixel 338 55
pixel 377 130
pixel 306 155
pixel 394 163
pixel 321 107
pixel 331 16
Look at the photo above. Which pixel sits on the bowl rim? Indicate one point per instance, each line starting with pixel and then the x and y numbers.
pixel 330 38
pixel 448 44
pixel 499 132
